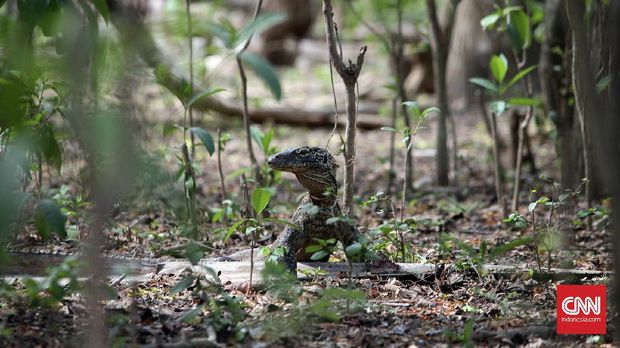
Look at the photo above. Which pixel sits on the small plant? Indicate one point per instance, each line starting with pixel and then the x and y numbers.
pixel 61 281
pixel 390 236
pixel 476 259
pixel 466 337
pixel 225 311
pixel 263 141
pixel 322 249
pixel 73 207
pixel 499 88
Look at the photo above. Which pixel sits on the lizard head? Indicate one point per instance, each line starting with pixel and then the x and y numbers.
pixel 314 167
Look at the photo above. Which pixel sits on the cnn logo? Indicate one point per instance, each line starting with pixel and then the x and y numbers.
pixel 577 305
pixel 581 309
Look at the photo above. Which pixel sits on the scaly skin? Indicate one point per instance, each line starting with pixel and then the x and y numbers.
pixel 315 169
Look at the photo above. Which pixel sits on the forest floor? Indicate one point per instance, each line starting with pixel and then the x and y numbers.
pixel 452 226
pixel 389 311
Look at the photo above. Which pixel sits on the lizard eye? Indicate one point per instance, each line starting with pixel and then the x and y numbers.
pixel 302 152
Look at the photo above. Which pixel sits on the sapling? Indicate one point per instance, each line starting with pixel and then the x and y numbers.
pixel 498 66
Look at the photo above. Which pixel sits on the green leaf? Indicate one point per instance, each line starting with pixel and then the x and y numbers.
pixel 204 94
pixel 238 172
pixel 169 128
pixel 490 20
pixel 319 255
pixel 191 314
pixel 503 249
pixel 258 137
pixel 259 25
pixel 499 67
pixel 102 7
pixel 389 129
pixel 484 83
pixel 532 206
pixel 265 72
pixel 498 107
pixel 524 101
pixel 428 111
pixel 413 106
pixel 205 138
pixel 183 284
pixel 49 147
pixel 266 142
pixel 283 222
pixel 48 218
pixel 520 23
pixel 325 310
pixel 235 227
pixel 603 83
pixel 313 248
pixel 468 332
pixel 260 199
pixel 193 253
pixel 520 75
pixel 353 249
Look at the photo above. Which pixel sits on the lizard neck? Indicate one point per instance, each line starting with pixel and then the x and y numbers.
pixel 321 189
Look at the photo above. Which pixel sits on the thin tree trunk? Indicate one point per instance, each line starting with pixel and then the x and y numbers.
pixel 191 70
pixel 246 123
pixel 583 82
pixel 522 135
pixel 439 64
pixel 391 171
pixel 221 173
pixel 244 95
pixel 607 128
pixel 499 192
pixel 349 74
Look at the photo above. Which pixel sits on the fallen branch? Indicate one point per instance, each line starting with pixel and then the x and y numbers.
pixel 21 264
pixel 135 34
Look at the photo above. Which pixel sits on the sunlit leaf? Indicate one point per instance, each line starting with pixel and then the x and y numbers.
pixel 498 107
pixel 524 101
pixel 389 129
pixel 499 67
pixel 490 20
pixel 264 71
pixel 260 199
pixel 520 75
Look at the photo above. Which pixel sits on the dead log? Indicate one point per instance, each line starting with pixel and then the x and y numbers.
pixel 19 264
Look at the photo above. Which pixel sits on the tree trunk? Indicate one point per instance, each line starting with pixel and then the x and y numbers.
pixel 440 45
pixel 349 74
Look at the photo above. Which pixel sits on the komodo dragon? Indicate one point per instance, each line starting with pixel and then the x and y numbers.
pixel 315 169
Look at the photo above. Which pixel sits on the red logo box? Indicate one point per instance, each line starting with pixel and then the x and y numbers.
pixel 581 309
